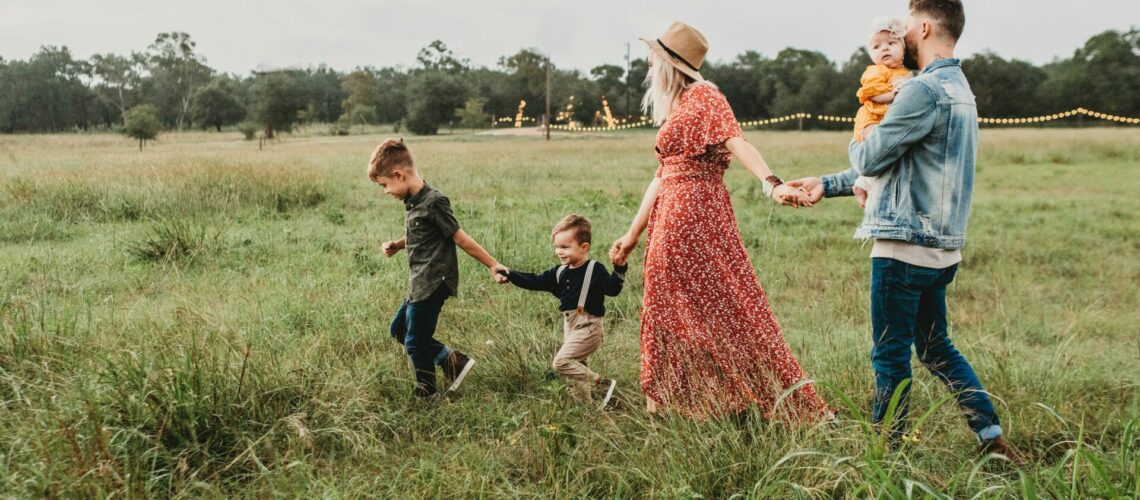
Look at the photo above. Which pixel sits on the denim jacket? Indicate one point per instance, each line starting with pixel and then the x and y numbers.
pixel 923 152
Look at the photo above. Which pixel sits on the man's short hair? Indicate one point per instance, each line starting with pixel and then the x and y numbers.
pixel 949 14
pixel 388 156
pixel 576 223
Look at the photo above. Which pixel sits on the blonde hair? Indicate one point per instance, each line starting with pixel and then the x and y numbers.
pixel 388 156
pixel 664 84
pixel 896 27
pixel 574 222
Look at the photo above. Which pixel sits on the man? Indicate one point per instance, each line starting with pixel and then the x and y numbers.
pixel 924 152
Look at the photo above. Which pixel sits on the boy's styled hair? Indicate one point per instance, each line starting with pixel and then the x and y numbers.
pixel 576 223
pixel 949 14
pixel 388 156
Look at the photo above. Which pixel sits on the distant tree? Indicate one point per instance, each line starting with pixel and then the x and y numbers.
pixel 437 57
pixel 495 88
pixel 1101 75
pixel 324 94
pixel 361 96
pixel 1004 88
pixel 175 71
pixel 142 123
pixel 609 81
pixel 471 115
pixel 745 82
pixel 434 96
pixel 527 69
pixel 120 78
pixel 217 104
pixel 391 105
pixel 634 85
pixel 47 93
pixel 278 97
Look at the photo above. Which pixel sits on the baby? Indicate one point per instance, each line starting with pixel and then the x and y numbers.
pixel 879 85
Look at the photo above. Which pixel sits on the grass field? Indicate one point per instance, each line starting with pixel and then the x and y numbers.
pixel 205 319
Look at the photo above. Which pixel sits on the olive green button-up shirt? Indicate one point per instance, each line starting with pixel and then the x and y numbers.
pixel 429 227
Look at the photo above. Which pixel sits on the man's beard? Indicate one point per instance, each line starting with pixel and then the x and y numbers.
pixel 910 58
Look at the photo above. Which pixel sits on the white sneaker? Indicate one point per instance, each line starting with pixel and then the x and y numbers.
pixel 609 394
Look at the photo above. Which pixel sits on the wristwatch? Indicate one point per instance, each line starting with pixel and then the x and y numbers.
pixel 770 184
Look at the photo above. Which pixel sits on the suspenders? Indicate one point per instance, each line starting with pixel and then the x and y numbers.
pixel 585 283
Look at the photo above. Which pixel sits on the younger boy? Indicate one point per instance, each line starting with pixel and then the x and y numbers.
pixel 431 235
pixel 581 285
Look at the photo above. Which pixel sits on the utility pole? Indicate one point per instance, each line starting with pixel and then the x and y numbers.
pixel 628 70
pixel 548 98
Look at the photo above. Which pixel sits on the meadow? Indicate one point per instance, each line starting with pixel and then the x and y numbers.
pixel 204 318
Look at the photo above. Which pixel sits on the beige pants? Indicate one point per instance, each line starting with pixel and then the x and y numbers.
pixel 582 335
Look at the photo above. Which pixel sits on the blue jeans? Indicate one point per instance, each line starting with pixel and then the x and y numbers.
pixel 414 328
pixel 908 307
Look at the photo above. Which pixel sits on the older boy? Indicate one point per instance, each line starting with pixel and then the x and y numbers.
pixel 431 235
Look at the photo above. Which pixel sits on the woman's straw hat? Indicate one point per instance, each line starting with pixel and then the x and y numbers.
pixel 682 46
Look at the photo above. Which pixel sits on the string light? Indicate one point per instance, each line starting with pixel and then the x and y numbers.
pixel 1061 115
pixel 645 121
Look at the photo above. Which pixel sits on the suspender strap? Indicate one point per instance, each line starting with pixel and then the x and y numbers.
pixel 585 287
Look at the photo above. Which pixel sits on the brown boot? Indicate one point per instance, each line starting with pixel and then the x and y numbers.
pixel 999 446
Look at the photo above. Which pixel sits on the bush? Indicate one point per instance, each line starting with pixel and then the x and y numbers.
pixel 471 115
pixel 173 240
pixel 141 122
pixel 249 130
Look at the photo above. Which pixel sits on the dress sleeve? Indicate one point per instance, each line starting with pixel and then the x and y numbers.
pixel 713 121
pixel 874 82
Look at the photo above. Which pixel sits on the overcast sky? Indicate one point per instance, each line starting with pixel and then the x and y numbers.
pixel 240 35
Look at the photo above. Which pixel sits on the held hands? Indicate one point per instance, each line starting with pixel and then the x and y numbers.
pixel 391 248
pixel 813 186
pixel 619 252
pixel 499 273
pixel 793 196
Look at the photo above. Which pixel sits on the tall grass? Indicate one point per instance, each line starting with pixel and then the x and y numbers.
pixel 207 319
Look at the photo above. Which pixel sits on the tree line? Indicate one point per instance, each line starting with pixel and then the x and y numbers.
pixel 170 85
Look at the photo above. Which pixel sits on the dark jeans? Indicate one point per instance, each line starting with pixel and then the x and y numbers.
pixel 414 328
pixel 908 306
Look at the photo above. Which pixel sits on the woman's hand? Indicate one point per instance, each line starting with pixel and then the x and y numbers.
pixel 621 249
pixel 791 196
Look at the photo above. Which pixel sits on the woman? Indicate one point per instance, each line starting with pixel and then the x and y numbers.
pixel 709 343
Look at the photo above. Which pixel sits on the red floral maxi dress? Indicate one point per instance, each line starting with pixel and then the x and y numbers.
pixel 709 342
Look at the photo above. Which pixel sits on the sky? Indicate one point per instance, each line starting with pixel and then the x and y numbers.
pixel 238 36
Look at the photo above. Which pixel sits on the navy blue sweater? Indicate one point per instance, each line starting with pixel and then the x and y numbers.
pixel 569 287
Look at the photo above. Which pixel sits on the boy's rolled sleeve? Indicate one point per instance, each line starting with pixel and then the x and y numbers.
pixel 443 217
